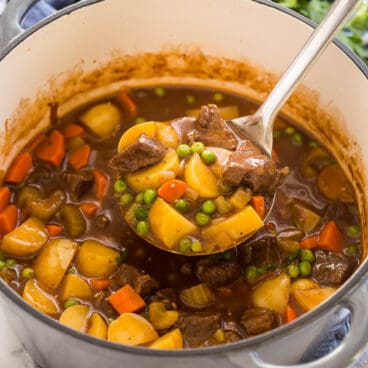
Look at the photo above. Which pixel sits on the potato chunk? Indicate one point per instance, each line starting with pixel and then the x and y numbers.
pixel 167 224
pixel 39 299
pixel 53 261
pixel 273 293
pixel 160 317
pixel 97 326
pixel 131 329
pixel 150 178
pixel 74 287
pixel 75 317
pixel 25 240
pixel 95 259
pixel 201 178
pixel 171 340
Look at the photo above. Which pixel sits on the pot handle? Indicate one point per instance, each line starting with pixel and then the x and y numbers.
pixel 343 356
pixel 11 18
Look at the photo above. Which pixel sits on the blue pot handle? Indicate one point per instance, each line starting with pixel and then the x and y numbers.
pixel 11 18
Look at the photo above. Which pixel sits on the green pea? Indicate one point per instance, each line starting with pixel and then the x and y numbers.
pixel 160 91
pixel 184 245
pixel 140 213
pixel 313 144
pixel 126 199
pixel 209 207
pixel 72 270
pixel 293 271
pixel 142 228
pixel 260 271
pixel 139 120
pixel 120 186
pixel 190 99
pixel 307 255
pixel 351 251
pixel 251 273
pixel 196 246
pixel 27 273
pixel 353 230
pixel 181 205
pixel 297 139
pixel 11 262
pixel 208 157
pixel 70 303
pixel 218 97
pixel 305 268
pixel 290 130
pixel 293 255
pixel 139 198
pixel 183 151
pixel 224 188
pixel 197 147
pixel 202 219
pixel 149 196
pixel 2 265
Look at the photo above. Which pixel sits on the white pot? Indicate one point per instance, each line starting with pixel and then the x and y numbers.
pixel 55 60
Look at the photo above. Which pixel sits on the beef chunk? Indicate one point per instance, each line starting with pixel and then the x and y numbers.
pixel 127 274
pixel 102 303
pixel 332 268
pixel 78 184
pixel 217 274
pixel 145 152
pixel 250 166
pixel 198 327
pixel 259 320
pixel 211 129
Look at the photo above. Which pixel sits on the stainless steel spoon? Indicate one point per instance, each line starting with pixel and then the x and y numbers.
pixel 259 126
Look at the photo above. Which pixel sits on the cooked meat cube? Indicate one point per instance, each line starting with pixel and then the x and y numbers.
pixel 250 166
pixel 145 152
pixel 102 303
pixel 78 184
pixel 332 268
pixel 198 327
pixel 258 320
pixel 217 274
pixel 211 129
pixel 146 285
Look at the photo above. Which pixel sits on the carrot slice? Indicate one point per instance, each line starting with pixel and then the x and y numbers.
pixel 89 209
pixel 100 284
pixel 309 243
pixel 330 238
pixel 166 176
pixel 9 219
pixel 290 314
pixel 19 169
pixel 73 130
pixel 4 197
pixel 54 230
pixel 53 150
pixel 172 190
pixel 128 103
pixel 80 157
pixel 102 183
pixel 126 300
pixel 258 203
pixel 41 138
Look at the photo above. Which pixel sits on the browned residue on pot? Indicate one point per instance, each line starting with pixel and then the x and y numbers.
pixel 239 76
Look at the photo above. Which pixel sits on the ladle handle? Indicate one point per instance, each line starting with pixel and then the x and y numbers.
pixel 321 37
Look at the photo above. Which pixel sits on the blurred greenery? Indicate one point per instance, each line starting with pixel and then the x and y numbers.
pixel 353 32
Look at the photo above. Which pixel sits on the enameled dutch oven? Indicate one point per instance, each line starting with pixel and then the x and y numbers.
pixel 94 47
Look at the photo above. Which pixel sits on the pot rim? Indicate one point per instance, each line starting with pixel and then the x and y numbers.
pixel 358 277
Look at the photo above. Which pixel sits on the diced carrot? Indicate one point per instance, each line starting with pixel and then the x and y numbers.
pixel 102 182
pixel 100 284
pixel 258 203
pixel 8 219
pixel 126 300
pixel 41 138
pixel 19 169
pixel 73 130
pixel 172 190
pixel 89 209
pixel 330 238
pixel 80 157
pixel 275 156
pixel 290 314
pixel 166 176
pixel 309 243
pixel 4 197
pixel 128 103
pixel 53 150
pixel 54 230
